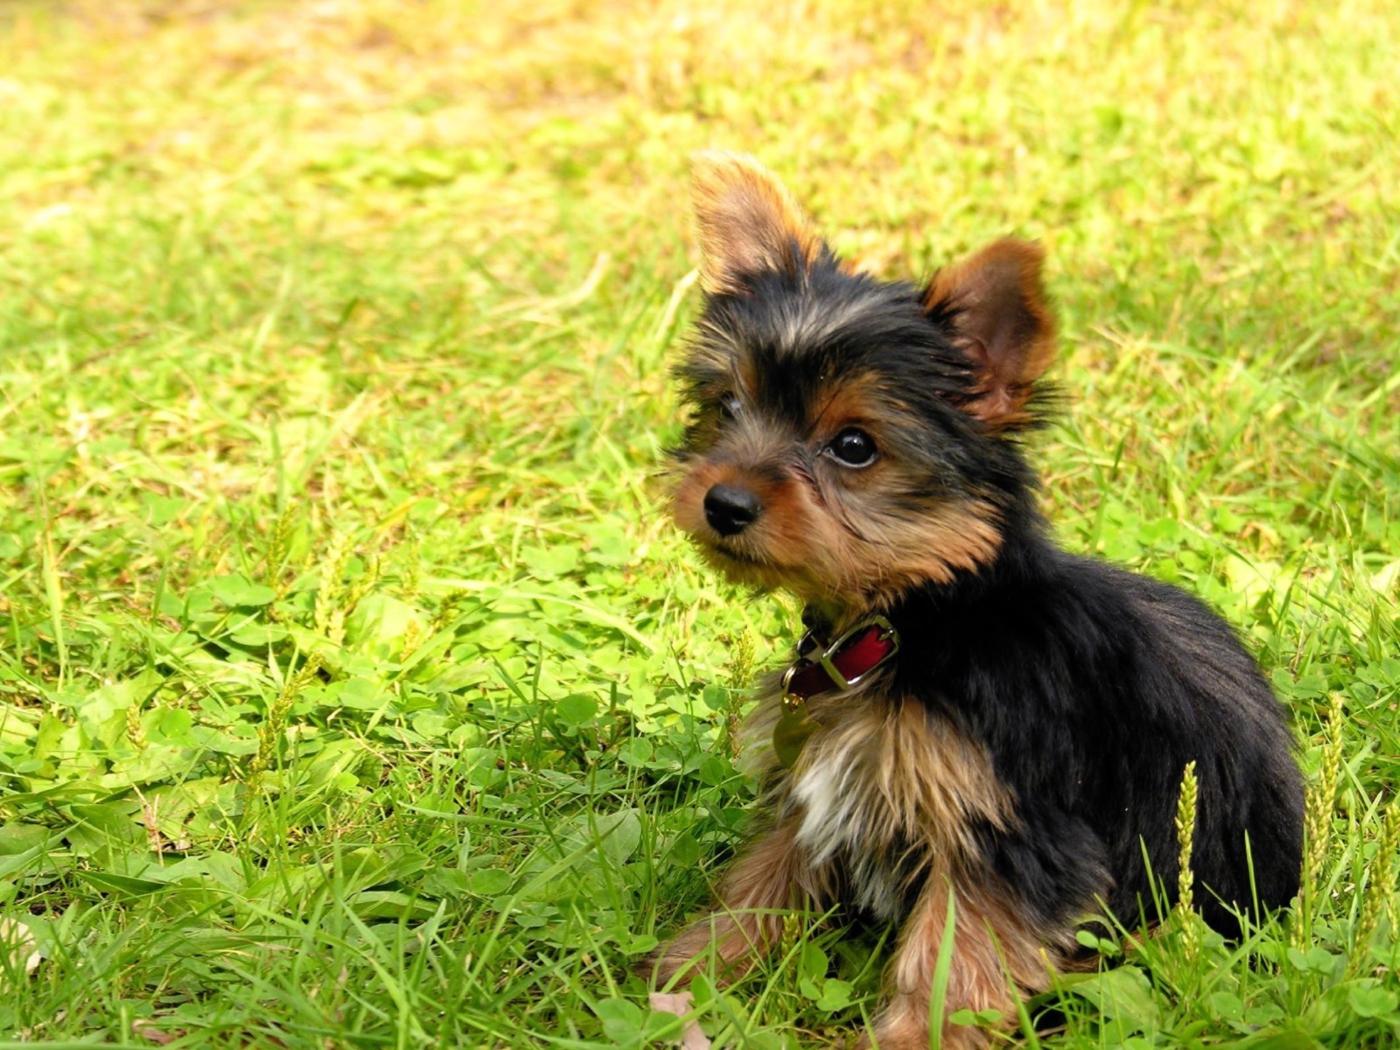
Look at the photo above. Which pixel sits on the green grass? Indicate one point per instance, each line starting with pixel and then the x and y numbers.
pixel 354 690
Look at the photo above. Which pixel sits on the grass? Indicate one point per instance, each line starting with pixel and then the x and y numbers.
pixel 354 690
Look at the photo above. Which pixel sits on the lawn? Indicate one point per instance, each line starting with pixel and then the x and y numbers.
pixel 355 690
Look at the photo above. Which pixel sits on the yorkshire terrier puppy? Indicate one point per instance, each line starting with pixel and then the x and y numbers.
pixel 974 714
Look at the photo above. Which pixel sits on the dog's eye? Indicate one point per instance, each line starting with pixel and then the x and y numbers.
pixel 852 448
pixel 729 405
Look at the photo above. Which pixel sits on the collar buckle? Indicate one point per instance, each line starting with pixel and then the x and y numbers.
pixel 811 652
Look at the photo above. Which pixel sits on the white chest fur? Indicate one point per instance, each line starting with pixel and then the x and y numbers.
pixel 831 788
pixel 891 793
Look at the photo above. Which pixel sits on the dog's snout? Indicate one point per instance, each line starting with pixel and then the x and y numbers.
pixel 730 509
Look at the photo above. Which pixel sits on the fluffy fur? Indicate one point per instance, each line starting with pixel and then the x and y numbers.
pixel 1024 750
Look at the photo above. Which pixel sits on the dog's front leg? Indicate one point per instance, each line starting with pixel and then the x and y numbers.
pixel 769 876
pixel 993 950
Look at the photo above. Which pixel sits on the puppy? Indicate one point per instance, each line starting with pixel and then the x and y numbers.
pixel 977 724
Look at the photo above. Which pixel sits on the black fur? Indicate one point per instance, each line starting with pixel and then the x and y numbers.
pixel 1090 687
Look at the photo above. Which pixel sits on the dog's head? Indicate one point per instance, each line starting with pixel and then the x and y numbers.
pixel 849 438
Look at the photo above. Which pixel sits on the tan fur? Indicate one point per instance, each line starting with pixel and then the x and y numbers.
pixel 770 875
pixel 908 777
pixel 898 553
pixel 837 551
pixel 907 793
pixel 860 400
pixel 723 357
pixel 792 544
pixel 1004 322
pixel 888 794
pixel 747 221
pixel 994 954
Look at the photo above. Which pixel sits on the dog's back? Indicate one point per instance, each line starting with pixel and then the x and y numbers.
pixel 1092 688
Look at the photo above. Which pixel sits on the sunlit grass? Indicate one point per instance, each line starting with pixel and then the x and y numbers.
pixel 342 329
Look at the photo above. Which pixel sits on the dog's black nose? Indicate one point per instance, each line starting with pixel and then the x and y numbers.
pixel 730 509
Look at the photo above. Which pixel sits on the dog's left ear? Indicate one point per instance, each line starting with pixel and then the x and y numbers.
pixel 995 308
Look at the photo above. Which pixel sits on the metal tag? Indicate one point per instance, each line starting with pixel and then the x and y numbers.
pixel 791 733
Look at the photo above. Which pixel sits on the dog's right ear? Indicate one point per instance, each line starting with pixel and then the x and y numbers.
pixel 748 222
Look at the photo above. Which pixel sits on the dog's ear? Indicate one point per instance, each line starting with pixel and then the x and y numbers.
pixel 748 222
pixel 995 308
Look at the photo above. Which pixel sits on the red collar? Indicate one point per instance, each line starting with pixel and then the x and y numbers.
pixel 842 664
